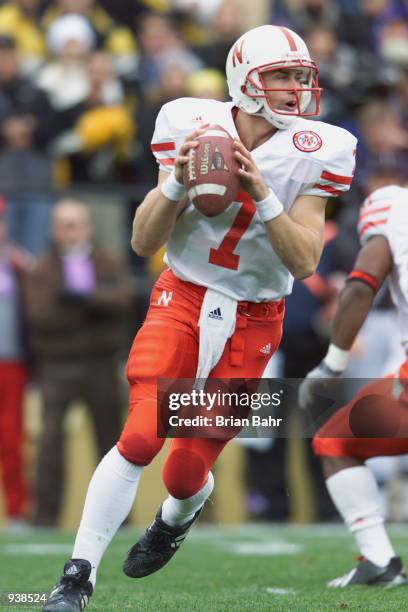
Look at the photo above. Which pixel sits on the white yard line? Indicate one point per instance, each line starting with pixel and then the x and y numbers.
pixel 278 591
pixel 38 549
pixel 262 549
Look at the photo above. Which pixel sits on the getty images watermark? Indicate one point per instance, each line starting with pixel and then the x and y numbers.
pixel 268 408
pixel 213 401
pixel 218 408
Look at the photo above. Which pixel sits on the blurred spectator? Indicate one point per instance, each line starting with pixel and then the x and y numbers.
pixel 304 14
pixel 103 84
pixel 101 137
pixel 105 136
pixel 27 124
pixel 339 73
pixel 127 10
pixel 21 19
pixel 172 76
pixel 347 74
pixel 161 46
pixel 76 297
pixel 207 83
pixel 362 30
pixel 194 19
pixel 114 39
pixel 393 41
pixel 200 11
pixel 13 376
pixel 382 138
pixel 70 39
pixel 399 98
pixel 224 28
pixel 381 174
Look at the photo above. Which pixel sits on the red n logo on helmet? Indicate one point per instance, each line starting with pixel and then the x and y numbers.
pixel 237 54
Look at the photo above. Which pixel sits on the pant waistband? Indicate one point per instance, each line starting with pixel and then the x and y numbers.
pixel 245 308
pixel 259 309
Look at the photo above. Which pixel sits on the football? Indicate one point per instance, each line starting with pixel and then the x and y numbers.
pixel 211 175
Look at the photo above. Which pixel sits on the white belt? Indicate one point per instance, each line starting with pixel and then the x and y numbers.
pixel 217 323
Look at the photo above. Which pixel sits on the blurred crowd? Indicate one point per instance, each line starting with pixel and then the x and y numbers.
pixel 81 83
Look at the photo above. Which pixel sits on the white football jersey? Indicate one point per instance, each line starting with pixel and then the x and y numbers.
pixel 385 213
pixel 231 252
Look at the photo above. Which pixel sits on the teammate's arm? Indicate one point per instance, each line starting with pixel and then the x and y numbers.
pixel 373 264
pixel 157 214
pixel 297 236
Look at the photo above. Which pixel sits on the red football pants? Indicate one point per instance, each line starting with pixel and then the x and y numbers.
pixel 13 378
pixel 378 406
pixel 167 347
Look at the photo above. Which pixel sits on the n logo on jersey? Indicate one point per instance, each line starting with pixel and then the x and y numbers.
pixel 218 161
pixel 164 299
pixel 237 54
pixel 307 141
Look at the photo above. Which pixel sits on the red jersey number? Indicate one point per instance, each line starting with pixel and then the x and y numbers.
pixel 224 256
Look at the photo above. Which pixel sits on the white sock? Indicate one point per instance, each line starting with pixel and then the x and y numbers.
pixel 109 499
pixel 177 512
pixel 355 494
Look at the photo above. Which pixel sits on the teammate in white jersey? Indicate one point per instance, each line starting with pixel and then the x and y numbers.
pixel 375 422
pixel 221 301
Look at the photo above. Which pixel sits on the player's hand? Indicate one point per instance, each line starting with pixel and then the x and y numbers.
pixel 251 178
pixel 183 154
pixel 313 383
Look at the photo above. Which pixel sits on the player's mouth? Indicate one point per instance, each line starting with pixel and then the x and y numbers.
pixel 289 107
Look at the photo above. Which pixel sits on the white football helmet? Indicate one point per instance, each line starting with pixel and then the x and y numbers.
pixel 264 49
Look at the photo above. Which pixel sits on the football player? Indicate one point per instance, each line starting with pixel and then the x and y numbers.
pixel 239 265
pixel 375 422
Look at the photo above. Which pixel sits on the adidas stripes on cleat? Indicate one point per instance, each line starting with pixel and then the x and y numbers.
pixel 366 573
pixel 73 590
pixel 156 547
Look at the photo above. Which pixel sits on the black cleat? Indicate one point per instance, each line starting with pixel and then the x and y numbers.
pixel 73 590
pixel 156 547
pixel 366 573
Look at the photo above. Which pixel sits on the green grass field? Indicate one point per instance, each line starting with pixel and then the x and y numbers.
pixel 246 568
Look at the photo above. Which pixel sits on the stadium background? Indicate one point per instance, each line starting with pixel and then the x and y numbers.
pixel 131 57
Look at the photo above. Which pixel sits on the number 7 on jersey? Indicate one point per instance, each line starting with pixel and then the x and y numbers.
pixel 224 255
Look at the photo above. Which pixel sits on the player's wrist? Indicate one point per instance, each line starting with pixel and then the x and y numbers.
pixel 336 358
pixel 172 189
pixel 269 207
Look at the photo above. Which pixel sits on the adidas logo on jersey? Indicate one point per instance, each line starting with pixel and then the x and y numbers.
pixel 266 349
pixel 216 314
